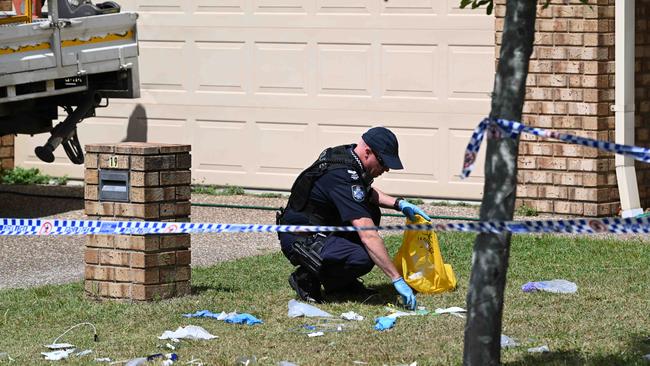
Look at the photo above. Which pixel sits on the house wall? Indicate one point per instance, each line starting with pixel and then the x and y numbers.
pixel 6 152
pixel 570 88
pixel 259 88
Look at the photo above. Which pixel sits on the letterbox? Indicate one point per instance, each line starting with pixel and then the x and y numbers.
pixel 114 185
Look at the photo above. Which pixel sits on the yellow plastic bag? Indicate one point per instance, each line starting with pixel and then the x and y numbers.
pixel 420 262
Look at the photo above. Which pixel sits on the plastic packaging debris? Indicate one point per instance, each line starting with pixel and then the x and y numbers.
pixel 540 349
pixel 170 358
pixel 136 361
pixel 246 360
pixel 57 355
pixel 554 286
pixel 324 325
pixel 507 342
pixel 351 315
pixel 450 310
pixel 188 332
pixel 454 310
pixel 83 353
pixel 5 356
pixel 59 346
pixel 396 313
pixel 297 308
pixel 103 359
pixel 286 363
pixel 233 317
pixel 646 357
pixel 315 334
pixel 384 322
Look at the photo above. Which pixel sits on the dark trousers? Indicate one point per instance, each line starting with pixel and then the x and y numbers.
pixel 343 260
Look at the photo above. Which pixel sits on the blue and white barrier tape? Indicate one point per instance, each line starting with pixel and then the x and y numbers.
pixel 32 227
pixel 515 128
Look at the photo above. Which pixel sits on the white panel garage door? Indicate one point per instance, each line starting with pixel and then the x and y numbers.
pixel 260 87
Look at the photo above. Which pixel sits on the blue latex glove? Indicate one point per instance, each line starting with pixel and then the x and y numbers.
pixel 384 322
pixel 410 210
pixel 244 318
pixel 406 292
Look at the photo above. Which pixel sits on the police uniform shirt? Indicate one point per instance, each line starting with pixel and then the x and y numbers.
pixel 343 189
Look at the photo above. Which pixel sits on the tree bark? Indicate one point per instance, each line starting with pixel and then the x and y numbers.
pixel 490 258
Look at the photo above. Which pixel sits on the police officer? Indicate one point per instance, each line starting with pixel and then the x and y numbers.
pixel 336 190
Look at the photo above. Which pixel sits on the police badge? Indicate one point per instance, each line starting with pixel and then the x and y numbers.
pixel 358 193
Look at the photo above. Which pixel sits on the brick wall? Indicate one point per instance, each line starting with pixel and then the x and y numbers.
pixel 6 152
pixel 139 267
pixel 642 95
pixel 570 87
pixel 5 5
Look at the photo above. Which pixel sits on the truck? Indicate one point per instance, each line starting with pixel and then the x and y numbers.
pixel 65 59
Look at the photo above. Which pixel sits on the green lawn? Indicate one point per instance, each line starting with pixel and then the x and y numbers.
pixel 607 322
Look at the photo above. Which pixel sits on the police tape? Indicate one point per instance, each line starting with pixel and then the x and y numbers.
pixel 31 227
pixel 515 128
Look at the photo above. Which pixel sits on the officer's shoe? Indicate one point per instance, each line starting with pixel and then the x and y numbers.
pixel 308 289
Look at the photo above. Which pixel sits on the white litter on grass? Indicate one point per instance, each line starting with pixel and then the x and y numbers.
pixel 57 355
pixel 286 363
pixel 59 346
pixel 103 359
pixel 540 349
pixel 454 310
pixel 297 308
pixel 351 315
pixel 188 332
pixel 646 357
pixel 315 334
pixel 507 342
pixel 83 353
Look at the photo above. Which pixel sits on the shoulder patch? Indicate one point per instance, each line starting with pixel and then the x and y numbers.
pixel 353 174
pixel 358 193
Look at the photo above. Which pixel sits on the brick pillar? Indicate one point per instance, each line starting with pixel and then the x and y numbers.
pixel 6 152
pixel 642 95
pixel 139 267
pixel 570 88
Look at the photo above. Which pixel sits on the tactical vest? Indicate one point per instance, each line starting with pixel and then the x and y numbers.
pixel 331 158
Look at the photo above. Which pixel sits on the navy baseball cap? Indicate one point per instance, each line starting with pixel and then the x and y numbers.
pixel 383 142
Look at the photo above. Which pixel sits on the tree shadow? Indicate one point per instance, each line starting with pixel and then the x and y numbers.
pixel 33 201
pixel 136 131
pixel 637 345
pixel 385 294
pixel 199 289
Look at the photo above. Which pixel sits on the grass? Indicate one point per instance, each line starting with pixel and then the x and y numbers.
pixel 218 190
pixel 20 175
pixel 525 210
pixel 607 322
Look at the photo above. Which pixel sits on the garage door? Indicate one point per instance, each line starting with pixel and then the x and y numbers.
pixel 260 87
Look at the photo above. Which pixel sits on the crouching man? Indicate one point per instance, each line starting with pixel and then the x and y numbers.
pixel 336 190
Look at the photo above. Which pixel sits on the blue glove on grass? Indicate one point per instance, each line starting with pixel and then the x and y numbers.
pixel 406 292
pixel 410 210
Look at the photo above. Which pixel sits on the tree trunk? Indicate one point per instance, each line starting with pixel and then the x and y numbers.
pixel 491 251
